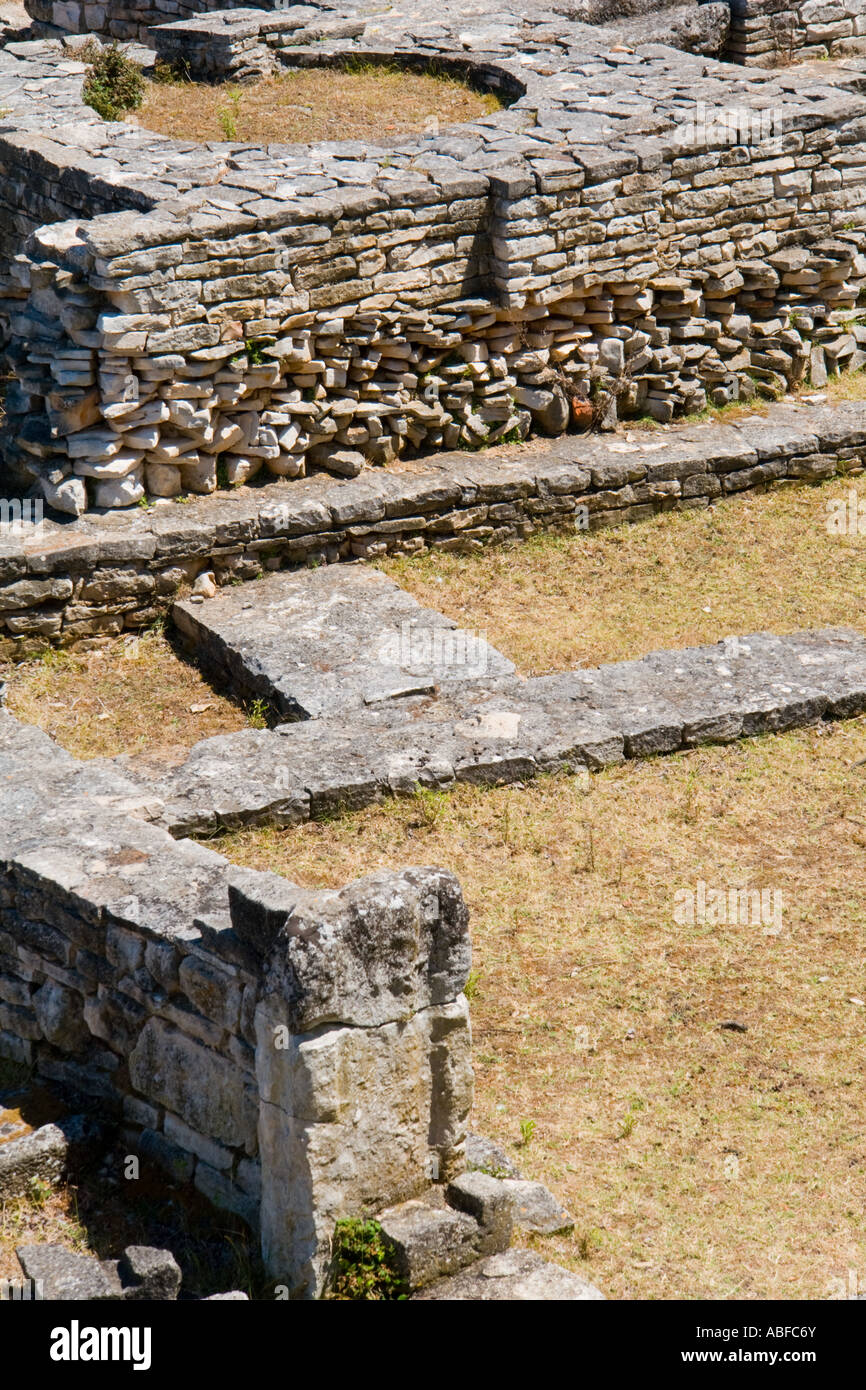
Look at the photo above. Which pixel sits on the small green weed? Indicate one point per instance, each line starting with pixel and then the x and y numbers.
pixel 361 1268
pixel 113 84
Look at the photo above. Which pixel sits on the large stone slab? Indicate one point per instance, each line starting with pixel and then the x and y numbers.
pixel 516 1276
pixel 517 729
pixel 142 1273
pixel 323 641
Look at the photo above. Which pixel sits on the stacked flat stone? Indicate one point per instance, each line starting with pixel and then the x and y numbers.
pixel 118 19
pixel 771 32
pixel 593 251
pixel 87 582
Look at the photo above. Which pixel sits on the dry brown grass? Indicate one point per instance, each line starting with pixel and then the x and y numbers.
pixel 683 578
pixel 311 104
pixel 699 1162
pixel 133 695
pixel 47 1216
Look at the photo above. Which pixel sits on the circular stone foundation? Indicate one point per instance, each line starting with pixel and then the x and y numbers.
pixel 310 104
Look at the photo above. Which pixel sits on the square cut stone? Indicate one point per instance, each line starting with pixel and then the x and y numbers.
pixel 320 642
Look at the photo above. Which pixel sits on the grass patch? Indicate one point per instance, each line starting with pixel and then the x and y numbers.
pixel 700 1162
pixel 134 695
pixel 310 104
pixel 361 1267
pixel 113 83
pixel 753 562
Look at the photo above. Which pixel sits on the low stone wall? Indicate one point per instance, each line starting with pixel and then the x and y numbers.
pixel 773 33
pixel 340 306
pixel 301 1057
pixel 67 584
pixel 121 19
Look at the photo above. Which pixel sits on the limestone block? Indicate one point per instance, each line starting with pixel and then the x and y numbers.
pixel 347 1114
pixel 514 1276
pixel 426 1241
pixel 60 1014
pixel 199 1085
pixel 40 1155
pixel 378 950
pixel 162 480
pixel 122 492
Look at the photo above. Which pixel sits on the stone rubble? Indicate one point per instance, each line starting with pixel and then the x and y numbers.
pixel 85 582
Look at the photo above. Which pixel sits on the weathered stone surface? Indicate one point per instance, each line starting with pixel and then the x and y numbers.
pixel 377 951
pixel 358 1117
pixel 485 1156
pixel 588 718
pixel 490 1203
pixel 38 1155
pixel 60 1016
pixel 324 641
pixel 534 1207
pixel 195 1082
pixel 142 1272
pixel 298 1056
pixel 69 1277
pixel 516 1276
pixel 475 312
pixel 148 1273
pixel 426 1241
pixel 582 483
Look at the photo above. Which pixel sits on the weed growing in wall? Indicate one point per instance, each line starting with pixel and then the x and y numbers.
pixel 113 83
pixel 361 1269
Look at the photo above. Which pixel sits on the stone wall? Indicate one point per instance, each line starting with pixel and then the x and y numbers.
pixel 121 19
pixel 176 352
pixel 635 234
pixel 300 1057
pixel 84 584
pixel 772 33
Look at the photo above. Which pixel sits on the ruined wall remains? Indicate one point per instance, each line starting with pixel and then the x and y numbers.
pixel 88 582
pixel 122 19
pixel 301 1057
pixel 334 310
pixel 773 33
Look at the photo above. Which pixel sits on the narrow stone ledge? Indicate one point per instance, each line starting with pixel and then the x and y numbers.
pixel 454 500
pixel 577 719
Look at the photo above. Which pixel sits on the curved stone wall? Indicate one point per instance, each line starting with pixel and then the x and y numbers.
pixel 638 232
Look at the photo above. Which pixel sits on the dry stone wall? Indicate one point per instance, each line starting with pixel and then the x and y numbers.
pixel 119 19
pixel 87 582
pixel 636 233
pixel 775 32
pixel 299 1057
